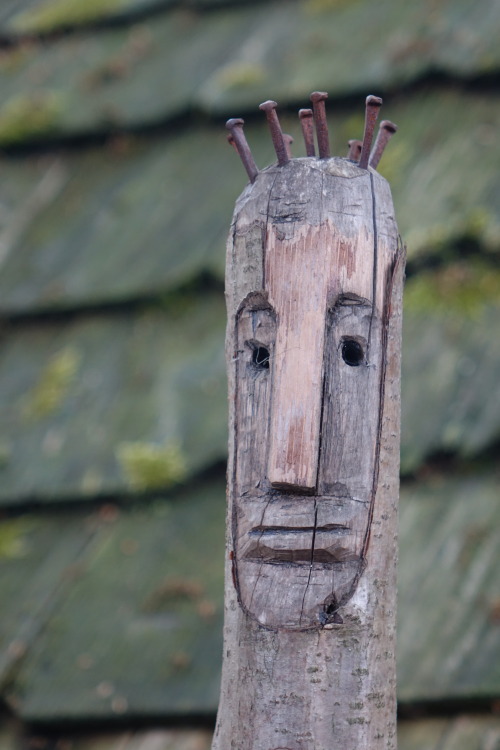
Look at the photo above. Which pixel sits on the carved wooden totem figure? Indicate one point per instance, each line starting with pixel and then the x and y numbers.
pixel 313 286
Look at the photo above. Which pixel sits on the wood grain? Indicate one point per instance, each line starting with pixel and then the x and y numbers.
pixel 313 469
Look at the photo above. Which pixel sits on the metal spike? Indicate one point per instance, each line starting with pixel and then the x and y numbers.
pixel 318 99
pixel 385 133
pixel 269 107
pixel 373 104
pixel 235 127
pixel 288 139
pixel 307 124
pixel 354 149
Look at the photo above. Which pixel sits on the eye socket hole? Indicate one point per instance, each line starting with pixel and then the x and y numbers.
pixel 352 352
pixel 260 357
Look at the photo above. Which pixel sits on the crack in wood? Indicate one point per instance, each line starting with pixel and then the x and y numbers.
pixel 267 530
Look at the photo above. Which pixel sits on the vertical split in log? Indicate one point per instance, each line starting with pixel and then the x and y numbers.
pixel 313 341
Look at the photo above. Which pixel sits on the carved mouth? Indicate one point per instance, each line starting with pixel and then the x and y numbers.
pixel 300 545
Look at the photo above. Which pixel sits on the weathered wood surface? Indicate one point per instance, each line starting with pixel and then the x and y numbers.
pixel 310 605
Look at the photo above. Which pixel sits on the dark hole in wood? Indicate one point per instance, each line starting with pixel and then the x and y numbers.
pixel 352 352
pixel 261 357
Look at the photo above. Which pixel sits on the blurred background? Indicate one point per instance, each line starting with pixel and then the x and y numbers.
pixel 116 194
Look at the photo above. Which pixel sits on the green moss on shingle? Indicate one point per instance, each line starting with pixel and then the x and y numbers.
pixel 54 14
pixel 149 466
pixel 238 75
pixel 53 384
pixel 460 288
pixel 321 6
pixel 13 537
pixel 29 116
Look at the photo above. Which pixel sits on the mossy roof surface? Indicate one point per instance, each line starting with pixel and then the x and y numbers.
pixel 116 196
pixel 93 404
pixel 97 404
pixel 150 632
pixel 236 56
pixel 143 216
pixel 128 615
pixel 26 18
pixel 20 18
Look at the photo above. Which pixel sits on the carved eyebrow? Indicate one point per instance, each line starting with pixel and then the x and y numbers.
pixel 253 302
pixel 350 299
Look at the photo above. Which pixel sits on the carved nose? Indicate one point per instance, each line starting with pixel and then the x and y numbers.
pixel 296 411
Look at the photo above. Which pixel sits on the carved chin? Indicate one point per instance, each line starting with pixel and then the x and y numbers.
pixel 296 596
pixel 298 559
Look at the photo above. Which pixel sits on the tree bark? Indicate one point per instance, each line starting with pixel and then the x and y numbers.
pixel 313 284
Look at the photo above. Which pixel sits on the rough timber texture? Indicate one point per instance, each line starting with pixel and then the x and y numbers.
pixel 309 638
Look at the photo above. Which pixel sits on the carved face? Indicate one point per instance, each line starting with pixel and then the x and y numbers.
pixel 309 357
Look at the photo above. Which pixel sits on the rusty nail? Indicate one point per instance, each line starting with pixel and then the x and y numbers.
pixel 354 149
pixel 230 140
pixel 307 124
pixel 385 133
pixel 235 126
pixel 373 104
pixel 318 99
pixel 288 139
pixel 269 107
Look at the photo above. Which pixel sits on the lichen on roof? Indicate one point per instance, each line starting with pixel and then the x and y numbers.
pixel 30 116
pixel 460 288
pixel 53 14
pixel 147 466
pixel 53 384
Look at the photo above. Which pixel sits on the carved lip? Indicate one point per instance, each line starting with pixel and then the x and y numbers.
pixel 300 545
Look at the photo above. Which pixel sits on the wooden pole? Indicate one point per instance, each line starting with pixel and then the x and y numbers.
pixel 313 284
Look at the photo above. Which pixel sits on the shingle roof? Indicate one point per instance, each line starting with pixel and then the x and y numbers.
pixel 117 192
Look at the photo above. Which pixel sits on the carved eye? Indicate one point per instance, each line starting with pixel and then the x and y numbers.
pixel 260 356
pixel 352 352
